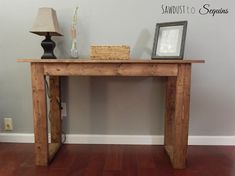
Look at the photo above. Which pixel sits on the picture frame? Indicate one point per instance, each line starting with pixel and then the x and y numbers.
pixel 169 40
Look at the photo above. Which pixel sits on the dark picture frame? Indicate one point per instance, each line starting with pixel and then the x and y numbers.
pixel 169 40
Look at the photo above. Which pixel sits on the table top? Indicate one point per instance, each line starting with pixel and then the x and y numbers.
pixel 130 61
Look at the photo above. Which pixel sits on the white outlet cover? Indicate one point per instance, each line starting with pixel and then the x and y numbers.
pixel 8 125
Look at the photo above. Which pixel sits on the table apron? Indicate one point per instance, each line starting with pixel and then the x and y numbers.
pixel 110 69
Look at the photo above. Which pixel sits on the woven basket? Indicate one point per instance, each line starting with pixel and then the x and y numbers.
pixel 110 52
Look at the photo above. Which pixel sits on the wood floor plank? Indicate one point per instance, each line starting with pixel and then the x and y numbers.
pixel 96 163
pixel 145 157
pixel 113 161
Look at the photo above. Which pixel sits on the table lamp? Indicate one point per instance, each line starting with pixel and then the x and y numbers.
pixel 46 24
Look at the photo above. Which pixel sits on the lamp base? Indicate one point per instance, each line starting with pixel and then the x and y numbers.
pixel 48 46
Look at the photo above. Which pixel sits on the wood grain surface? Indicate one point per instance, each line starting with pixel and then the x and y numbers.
pixel 81 60
pixel 125 160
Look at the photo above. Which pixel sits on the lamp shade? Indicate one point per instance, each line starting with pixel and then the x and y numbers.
pixel 46 22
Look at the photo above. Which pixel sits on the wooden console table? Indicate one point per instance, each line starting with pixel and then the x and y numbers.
pixel 178 73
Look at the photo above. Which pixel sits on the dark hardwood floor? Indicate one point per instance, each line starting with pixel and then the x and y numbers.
pixel 116 160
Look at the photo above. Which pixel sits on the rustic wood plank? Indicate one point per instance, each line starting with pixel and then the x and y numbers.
pixel 181 119
pixel 90 69
pixel 40 114
pixel 169 110
pixel 53 149
pixel 169 151
pixel 55 111
pixel 132 60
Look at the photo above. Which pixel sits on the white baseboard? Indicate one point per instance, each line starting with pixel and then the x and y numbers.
pixel 119 139
pixel 17 137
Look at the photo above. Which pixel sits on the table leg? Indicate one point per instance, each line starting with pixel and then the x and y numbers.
pixel 177 116
pixel 40 114
pixel 169 114
pixel 55 112
pixel 55 116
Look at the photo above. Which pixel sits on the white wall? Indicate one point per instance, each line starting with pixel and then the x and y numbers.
pixel 120 105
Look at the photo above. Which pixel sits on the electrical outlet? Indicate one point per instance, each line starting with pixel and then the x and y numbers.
pixel 64 110
pixel 8 125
